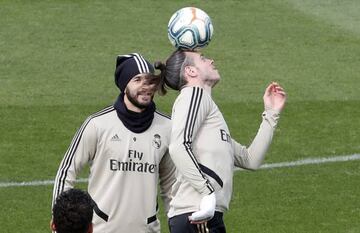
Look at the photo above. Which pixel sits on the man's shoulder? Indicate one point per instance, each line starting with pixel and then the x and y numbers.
pixel 192 94
pixel 162 116
pixel 101 115
pixel 162 121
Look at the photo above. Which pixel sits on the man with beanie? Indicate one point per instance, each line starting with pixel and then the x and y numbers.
pixel 126 148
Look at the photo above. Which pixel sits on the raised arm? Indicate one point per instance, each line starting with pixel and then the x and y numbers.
pixel 253 156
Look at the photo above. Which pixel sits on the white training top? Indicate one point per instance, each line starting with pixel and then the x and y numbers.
pixel 125 169
pixel 204 152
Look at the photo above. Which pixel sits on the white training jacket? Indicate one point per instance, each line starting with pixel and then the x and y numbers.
pixel 204 152
pixel 125 169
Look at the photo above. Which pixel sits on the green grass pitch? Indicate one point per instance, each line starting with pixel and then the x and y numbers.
pixel 57 60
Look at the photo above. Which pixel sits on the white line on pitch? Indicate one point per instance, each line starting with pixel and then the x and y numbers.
pixel 312 161
pixel 265 166
pixel 34 183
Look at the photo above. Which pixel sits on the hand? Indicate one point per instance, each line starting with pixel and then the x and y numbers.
pixel 274 97
pixel 207 209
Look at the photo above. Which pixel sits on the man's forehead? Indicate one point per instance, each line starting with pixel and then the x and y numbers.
pixel 194 53
pixel 144 76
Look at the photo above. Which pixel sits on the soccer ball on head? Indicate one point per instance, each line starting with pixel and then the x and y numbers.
pixel 190 28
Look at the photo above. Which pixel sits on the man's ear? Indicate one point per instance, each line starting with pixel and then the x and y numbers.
pixel 190 71
pixel 52 226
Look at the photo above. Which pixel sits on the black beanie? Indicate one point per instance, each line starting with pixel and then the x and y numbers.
pixel 128 66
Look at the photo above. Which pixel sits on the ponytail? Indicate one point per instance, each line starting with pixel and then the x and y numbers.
pixel 172 72
pixel 162 67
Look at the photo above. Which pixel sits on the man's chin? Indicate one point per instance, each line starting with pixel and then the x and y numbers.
pixel 145 99
pixel 144 103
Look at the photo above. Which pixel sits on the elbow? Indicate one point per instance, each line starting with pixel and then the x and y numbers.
pixel 254 161
pixel 252 168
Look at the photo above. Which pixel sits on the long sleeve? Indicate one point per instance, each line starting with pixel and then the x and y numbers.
pixel 81 151
pixel 167 179
pixel 253 156
pixel 189 112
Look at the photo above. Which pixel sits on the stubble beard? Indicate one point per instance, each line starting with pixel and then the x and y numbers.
pixel 134 101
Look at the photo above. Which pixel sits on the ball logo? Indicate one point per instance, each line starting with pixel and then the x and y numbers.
pixel 156 141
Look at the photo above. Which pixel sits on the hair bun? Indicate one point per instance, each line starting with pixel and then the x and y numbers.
pixel 159 65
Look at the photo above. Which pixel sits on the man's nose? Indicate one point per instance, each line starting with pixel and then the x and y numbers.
pixel 145 83
pixel 147 86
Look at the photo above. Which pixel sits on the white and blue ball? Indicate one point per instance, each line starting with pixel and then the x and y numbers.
pixel 190 28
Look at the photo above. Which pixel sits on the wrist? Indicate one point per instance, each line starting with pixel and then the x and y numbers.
pixel 271 116
pixel 272 111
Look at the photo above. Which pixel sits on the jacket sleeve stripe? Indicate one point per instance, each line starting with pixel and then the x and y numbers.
pixel 69 155
pixel 189 128
pixel 196 111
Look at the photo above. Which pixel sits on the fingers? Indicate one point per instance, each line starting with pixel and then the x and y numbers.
pixel 283 93
pixel 197 222
pixel 269 89
pixel 279 90
pixel 200 217
pixel 275 88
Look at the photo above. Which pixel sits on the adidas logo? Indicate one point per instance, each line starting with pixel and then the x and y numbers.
pixel 115 138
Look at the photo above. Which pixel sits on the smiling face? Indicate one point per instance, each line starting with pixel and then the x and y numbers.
pixel 140 91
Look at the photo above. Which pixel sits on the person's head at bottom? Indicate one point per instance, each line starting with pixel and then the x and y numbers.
pixel 72 212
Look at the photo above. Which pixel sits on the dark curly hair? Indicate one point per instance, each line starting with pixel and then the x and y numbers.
pixel 73 211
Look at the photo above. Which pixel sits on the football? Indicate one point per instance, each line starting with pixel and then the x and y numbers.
pixel 190 28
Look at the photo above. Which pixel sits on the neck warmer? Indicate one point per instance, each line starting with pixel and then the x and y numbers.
pixel 136 122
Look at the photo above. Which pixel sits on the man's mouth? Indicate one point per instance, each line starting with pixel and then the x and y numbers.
pixel 145 93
